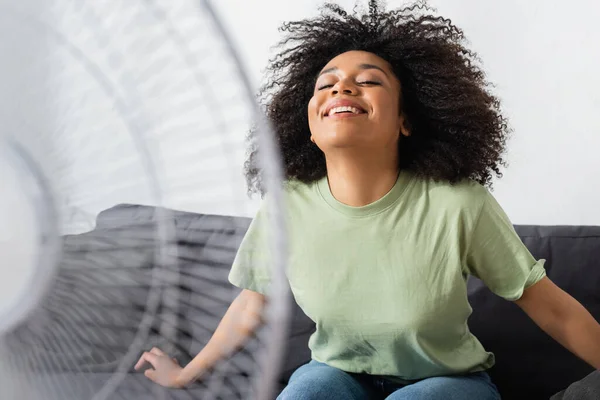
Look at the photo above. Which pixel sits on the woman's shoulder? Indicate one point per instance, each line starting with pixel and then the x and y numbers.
pixel 293 193
pixel 465 194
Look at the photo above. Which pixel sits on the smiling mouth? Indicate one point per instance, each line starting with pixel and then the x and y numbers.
pixel 345 112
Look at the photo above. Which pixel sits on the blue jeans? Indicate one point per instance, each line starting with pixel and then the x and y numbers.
pixel 318 381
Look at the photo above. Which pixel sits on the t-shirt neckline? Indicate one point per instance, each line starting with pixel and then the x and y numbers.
pixel 370 209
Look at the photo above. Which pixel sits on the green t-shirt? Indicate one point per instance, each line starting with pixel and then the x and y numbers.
pixel 386 283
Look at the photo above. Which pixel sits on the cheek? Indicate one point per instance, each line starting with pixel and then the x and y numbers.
pixel 388 109
pixel 312 106
pixel 312 110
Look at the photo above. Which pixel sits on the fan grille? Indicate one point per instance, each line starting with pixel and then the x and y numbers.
pixel 136 102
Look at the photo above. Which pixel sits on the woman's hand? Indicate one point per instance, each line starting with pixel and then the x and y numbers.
pixel 165 370
pixel 239 323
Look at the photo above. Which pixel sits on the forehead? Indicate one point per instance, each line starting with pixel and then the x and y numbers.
pixel 354 58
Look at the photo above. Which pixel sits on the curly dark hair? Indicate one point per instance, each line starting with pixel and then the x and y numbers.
pixel 457 130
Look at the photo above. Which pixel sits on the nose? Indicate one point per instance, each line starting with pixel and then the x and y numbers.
pixel 344 87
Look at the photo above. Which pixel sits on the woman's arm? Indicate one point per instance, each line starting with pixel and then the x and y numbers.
pixel 564 319
pixel 239 323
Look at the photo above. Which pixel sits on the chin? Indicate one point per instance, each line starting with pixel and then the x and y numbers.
pixel 343 139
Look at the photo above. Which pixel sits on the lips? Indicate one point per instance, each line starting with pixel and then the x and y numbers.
pixel 343 106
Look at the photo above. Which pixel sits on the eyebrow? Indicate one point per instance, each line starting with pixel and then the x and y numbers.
pixel 361 66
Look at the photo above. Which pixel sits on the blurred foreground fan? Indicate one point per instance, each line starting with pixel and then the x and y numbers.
pixel 103 103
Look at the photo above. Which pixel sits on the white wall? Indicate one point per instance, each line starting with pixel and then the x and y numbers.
pixel 543 55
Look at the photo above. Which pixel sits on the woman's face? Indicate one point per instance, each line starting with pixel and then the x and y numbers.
pixel 356 104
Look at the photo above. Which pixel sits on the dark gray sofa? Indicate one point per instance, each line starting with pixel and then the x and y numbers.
pixel 115 278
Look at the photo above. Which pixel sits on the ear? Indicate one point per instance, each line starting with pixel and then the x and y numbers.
pixel 403 126
pixel 312 138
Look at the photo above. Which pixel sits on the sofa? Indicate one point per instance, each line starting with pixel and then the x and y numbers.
pixel 105 278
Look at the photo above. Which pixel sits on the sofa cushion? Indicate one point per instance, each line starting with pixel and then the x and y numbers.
pixel 586 389
pixel 132 386
pixel 529 363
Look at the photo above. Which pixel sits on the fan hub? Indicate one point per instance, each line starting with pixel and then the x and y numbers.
pixel 27 243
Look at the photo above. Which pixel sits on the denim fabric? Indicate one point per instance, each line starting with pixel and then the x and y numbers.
pixel 318 381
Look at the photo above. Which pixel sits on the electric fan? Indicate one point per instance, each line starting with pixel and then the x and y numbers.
pixel 109 103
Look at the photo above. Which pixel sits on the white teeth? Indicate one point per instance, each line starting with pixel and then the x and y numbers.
pixel 335 110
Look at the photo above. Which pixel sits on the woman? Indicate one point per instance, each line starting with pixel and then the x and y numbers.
pixel 389 137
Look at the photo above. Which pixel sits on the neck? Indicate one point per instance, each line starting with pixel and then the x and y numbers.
pixel 359 181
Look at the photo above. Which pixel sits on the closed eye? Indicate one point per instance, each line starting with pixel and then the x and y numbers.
pixel 360 83
pixel 324 87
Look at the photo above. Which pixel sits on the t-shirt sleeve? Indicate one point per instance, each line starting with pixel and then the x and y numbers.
pixel 498 257
pixel 251 266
